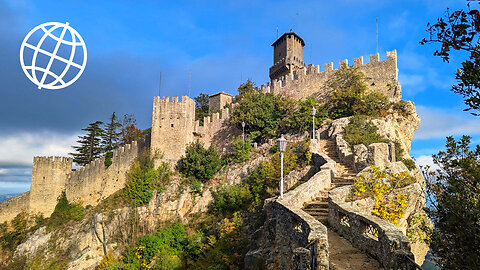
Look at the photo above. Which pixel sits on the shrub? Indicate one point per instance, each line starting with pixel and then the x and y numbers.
pixel 108 159
pixel 374 104
pixel 379 184
pixel 232 198
pixel 348 85
pixel 199 162
pixel 241 149
pixel 143 178
pixel 9 240
pixel 401 107
pixel 409 163
pixel 64 212
pixel 196 187
pixel 360 131
pixel 300 118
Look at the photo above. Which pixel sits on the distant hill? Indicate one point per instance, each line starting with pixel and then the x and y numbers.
pixel 5 197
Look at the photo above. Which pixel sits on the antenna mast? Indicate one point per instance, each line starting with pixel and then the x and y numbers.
pixel 311 45
pixel 160 84
pixel 377 34
pixel 277 31
pixel 189 82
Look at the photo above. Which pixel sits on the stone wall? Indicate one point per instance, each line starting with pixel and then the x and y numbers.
pixel 373 235
pixel 94 181
pixel 382 77
pixel 172 126
pixel 290 237
pixel 11 208
pixel 217 102
pixel 49 176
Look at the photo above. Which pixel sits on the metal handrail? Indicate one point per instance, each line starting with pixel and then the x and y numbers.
pixel 313 253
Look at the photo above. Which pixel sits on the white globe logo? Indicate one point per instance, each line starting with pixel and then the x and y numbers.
pixel 46 76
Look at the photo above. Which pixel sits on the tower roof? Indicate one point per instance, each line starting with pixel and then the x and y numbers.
pixel 286 34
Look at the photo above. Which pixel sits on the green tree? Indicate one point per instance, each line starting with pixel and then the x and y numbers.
pixel 301 118
pixel 111 135
pixel 90 147
pixel 241 149
pixel 201 107
pixel 453 194
pixel 199 162
pixel 64 212
pixel 348 85
pixel 361 131
pixel 459 30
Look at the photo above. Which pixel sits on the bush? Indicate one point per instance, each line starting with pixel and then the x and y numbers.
pixel 360 131
pixel 241 149
pixel 199 162
pixel 300 119
pixel 374 104
pixel 379 184
pixel 348 85
pixel 9 240
pixel 409 163
pixel 64 212
pixel 232 198
pixel 143 178
pixel 108 159
pixel 401 107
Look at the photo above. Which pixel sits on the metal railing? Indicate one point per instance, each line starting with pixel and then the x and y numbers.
pixel 312 247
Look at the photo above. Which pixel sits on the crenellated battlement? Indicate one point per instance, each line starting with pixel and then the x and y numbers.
pixel 95 181
pixel 53 162
pixel 311 81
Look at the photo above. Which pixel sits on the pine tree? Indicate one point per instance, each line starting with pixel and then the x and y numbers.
pixel 111 135
pixel 90 147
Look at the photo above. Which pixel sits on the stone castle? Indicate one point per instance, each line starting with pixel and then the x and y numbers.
pixel 174 127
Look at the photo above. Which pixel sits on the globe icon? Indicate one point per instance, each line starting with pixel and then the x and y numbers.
pixel 53 55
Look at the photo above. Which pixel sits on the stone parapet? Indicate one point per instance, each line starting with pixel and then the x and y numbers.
pixel 9 209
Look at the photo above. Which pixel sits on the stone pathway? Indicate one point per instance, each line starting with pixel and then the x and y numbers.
pixel 343 256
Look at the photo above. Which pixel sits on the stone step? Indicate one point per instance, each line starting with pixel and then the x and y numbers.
pixel 341 184
pixel 317 212
pixel 317 204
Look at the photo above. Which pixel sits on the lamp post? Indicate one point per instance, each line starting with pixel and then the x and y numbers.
pixel 243 131
pixel 282 145
pixel 314 111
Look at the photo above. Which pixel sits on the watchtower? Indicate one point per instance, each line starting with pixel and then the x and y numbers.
pixel 218 101
pixel 287 55
pixel 49 175
pixel 172 126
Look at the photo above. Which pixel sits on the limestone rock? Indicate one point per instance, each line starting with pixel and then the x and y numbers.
pixel 360 155
pixel 378 154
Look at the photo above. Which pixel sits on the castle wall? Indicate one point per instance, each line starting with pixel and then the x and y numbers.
pixel 48 181
pixel 11 208
pixel 217 102
pixel 382 77
pixel 172 126
pixel 95 182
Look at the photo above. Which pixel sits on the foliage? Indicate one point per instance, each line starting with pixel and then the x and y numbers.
pixel 201 107
pixel 232 198
pixel 361 131
pixel 196 187
pixel 459 30
pixel 453 195
pixel 89 148
pixel 374 104
pixel 129 131
pixel 143 179
pixel 199 162
pixel 348 85
pixel 380 185
pixel 10 239
pixel 241 149
pixel 418 225
pixel 108 159
pixel 409 163
pixel 111 134
pixel 401 107
pixel 64 212
pixel 300 116
pixel 267 115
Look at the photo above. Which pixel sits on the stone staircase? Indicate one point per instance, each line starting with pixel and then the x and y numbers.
pixel 318 208
pixel 343 256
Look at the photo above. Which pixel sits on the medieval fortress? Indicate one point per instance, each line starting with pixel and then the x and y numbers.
pixel 174 127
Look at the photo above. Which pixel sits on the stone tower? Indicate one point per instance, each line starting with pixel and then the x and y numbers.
pixel 287 55
pixel 49 175
pixel 217 102
pixel 172 126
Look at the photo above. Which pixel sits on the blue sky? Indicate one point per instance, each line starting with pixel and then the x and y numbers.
pixel 222 43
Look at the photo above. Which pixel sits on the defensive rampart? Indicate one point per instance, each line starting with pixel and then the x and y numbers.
pixel 94 181
pixel 382 77
pixel 11 208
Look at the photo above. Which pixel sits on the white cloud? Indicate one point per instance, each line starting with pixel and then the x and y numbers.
pixel 426 161
pixel 20 148
pixel 439 123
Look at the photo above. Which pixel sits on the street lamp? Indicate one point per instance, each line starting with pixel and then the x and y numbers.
pixel 282 145
pixel 314 111
pixel 243 131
